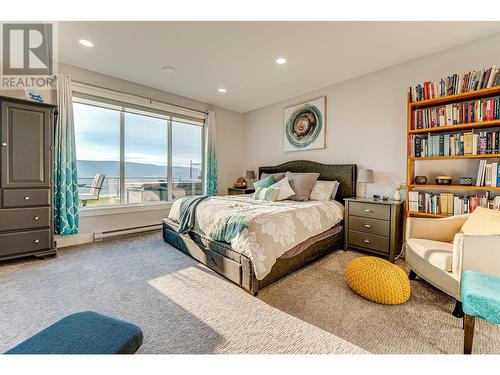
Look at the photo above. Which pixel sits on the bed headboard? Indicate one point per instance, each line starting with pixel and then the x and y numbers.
pixel 343 173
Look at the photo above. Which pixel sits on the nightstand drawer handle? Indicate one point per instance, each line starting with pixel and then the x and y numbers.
pixel 27 198
pixel 368 210
pixel 366 241
pixel 367 225
pixel 36 218
pixel 37 241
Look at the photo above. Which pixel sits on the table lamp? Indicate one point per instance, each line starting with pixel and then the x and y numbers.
pixel 365 176
pixel 250 176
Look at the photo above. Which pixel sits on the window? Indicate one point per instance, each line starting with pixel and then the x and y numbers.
pixel 144 157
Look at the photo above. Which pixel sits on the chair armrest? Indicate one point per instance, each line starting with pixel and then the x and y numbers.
pixel 479 253
pixel 442 230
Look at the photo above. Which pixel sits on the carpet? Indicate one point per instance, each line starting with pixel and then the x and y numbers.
pixel 318 295
pixel 181 306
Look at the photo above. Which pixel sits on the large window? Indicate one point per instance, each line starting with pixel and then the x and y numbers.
pixel 129 157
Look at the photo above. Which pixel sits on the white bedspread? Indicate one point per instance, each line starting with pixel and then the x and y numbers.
pixel 269 228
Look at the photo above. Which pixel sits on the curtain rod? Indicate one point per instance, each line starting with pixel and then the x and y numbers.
pixel 140 96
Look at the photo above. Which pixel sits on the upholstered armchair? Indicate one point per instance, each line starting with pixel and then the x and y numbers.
pixel 438 253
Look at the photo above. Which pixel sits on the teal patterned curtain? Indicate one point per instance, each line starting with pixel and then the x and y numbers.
pixel 66 216
pixel 210 156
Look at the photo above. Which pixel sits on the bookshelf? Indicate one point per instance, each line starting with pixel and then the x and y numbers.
pixel 412 131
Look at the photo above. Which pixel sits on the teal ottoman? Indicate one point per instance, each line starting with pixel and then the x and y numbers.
pixel 84 333
pixel 481 299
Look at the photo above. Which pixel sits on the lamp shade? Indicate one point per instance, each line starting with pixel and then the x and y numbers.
pixel 365 175
pixel 250 175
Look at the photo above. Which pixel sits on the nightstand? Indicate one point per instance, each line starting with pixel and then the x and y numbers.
pixel 238 191
pixel 374 226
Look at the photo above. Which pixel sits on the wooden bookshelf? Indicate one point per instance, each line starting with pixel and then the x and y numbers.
pixel 411 161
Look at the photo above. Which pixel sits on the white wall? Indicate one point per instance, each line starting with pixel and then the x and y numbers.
pixel 366 117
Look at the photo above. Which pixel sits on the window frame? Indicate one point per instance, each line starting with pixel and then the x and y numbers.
pixel 155 113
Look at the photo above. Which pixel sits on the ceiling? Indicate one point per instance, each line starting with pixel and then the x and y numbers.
pixel 240 56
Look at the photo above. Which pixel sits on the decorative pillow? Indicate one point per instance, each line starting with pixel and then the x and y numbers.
pixel 335 190
pixel 284 187
pixel 323 190
pixel 264 183
pixel 266 194
pixel 482 221
pixel 277 176
pixel 302 184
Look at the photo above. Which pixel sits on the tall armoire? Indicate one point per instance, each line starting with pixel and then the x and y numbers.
pixel 26 199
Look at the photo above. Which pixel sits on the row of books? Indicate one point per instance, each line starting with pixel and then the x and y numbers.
pixel 468 143
pixel 488 174
pixel 457 113
pixel 446 203
pixel 456 84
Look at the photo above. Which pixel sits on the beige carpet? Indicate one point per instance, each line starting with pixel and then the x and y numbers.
pixel 181 306
pixel 318 294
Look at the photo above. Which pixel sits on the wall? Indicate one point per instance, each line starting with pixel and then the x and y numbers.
pixel 229 146
pixel 366 118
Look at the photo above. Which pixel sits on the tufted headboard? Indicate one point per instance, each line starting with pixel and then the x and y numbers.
pixel 343 173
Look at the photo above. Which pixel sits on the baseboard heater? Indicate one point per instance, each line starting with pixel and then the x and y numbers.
pixel 99 236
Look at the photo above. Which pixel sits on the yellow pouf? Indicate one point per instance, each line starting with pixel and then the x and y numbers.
pixel 378 280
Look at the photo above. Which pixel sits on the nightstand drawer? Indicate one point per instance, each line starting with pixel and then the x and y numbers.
pixel 370 210
pixel 370 241
pixel 366 225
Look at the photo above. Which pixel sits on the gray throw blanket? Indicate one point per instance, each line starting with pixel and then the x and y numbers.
pixel 187 212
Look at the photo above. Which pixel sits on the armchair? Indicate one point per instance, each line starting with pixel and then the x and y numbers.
pixel 437 252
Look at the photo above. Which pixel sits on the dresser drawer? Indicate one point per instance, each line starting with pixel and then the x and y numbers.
pixel 369 241
pixel 26 198
pixel 24 242
pixel 370 210
pixel 24 218
pixel 366 225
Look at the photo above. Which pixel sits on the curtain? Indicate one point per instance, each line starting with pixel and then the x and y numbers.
pixel 210 156
pixel 66 216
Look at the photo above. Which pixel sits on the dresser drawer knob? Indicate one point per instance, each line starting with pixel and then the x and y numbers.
pixel 367 225
pixel 4 144
pixel 366 241
pixel 37 240
pixel 36 218
pixel 27 198
pixel 368 210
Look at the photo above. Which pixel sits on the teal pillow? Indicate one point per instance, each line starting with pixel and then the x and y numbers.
pixel 264 183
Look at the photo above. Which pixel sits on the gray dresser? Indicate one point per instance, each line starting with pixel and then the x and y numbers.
pixel 26 209
pixel 374 226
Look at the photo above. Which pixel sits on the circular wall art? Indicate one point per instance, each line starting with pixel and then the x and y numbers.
pixel 304 126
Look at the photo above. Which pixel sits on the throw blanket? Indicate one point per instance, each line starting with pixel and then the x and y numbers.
pixel 261 230
pixel 187 212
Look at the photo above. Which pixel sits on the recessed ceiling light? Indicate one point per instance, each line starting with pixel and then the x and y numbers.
pixel 280 60
pixel 86 43
pixel 222 89
pixel 168 69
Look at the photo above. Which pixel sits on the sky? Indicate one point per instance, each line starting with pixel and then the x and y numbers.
pixel 97 133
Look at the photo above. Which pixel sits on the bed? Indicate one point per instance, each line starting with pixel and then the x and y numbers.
pixel 252 270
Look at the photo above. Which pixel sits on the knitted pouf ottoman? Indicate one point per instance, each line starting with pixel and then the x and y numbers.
pixel 378 280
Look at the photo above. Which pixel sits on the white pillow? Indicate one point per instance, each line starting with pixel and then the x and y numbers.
pixel 324 190
pixel 266 194
pixel 284 187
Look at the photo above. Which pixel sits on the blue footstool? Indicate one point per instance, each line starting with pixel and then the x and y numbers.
pixel 481 299
pixel 84 333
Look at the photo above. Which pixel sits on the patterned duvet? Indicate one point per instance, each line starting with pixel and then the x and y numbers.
pixel 261 230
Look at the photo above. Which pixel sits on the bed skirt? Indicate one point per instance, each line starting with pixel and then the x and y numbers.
pixel 238 268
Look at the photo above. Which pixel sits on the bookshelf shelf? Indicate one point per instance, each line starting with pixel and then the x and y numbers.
pixel 481 156
pixel 454 187
pixel 472 125
pixel 478 94
pixel 439 132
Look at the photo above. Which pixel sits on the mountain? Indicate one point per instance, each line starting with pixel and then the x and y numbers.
pixel 89 168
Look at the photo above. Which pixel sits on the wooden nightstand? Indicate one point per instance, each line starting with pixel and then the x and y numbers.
pixel 374 226
pixel 238 191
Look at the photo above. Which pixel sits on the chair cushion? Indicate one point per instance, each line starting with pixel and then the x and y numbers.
pixel 439 254
pixel 378 280
pixel 482 221
pixel 481 295
pixel 84 333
